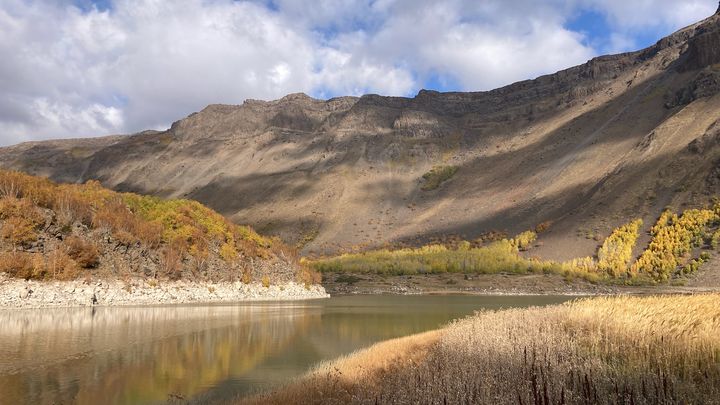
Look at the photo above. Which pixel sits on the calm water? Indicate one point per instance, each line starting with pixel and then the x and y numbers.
pixel 148 355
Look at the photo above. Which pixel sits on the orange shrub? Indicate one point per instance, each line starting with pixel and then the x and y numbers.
pixel 171 262
pixel 21 217
pixel 60 266
pixel 149 233
pixel 17 264
pixel 543 226
pixel 83 252
pixel 70 207
pixel 284 251
pixel 125 238
pixel 16 185
pixel 11 184
pixel 248 248
pixel 20 207
pixel 18 231
pixel 114 216
pixel 307 276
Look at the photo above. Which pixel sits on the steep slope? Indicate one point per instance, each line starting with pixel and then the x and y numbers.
pixel 585 149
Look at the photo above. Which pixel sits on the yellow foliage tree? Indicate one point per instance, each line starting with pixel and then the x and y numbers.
pixel 616 252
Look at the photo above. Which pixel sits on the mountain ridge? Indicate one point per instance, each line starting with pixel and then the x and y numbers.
pixel 586 148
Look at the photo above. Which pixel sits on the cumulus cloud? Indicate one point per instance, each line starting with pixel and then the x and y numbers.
pixel 633 24
pixel 463 42
pixel 75 69
pixel 637 14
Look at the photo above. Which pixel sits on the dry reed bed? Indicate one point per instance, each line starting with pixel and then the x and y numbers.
pixel 627 350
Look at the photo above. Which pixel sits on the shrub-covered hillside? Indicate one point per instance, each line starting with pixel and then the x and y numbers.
pixel 66 231
pixel 679 245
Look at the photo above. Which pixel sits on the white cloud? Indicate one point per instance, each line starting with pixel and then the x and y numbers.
pixel 478 52
pixel 68 72
pixel 620 42
pixel 636 14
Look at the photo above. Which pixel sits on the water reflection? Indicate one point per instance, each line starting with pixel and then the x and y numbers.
pixel 148 355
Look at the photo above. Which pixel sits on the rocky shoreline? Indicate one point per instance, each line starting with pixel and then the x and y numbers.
pixel 16 293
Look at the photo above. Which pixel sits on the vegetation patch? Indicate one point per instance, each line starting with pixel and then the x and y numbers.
pixel 496 257
pixel 54 231
pixel 669 254
pixel 615 253
pixel 619 350
pixel 524 240
pixel 673 239
pixel 436 176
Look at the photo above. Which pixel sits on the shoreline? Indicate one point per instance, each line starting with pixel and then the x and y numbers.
pixel 17 294
pixel 488 284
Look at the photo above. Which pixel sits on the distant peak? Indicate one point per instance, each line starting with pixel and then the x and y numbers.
pixel 296 96
pixel 424 92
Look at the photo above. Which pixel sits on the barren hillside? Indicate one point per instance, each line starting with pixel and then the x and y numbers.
pixel 586 148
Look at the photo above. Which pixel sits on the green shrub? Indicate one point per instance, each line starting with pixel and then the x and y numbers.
pixel 715 239
pixel 436 176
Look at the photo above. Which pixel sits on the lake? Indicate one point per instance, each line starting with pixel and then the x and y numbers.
pixel 204 353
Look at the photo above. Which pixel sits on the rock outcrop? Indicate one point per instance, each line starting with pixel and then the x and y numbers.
pixel 704 47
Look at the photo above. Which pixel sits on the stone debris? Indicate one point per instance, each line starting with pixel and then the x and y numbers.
pixel 15 293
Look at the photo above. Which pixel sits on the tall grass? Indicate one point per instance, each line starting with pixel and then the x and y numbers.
pixel 619 350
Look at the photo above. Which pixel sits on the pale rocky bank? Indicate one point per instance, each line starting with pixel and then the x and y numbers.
pixel 17 293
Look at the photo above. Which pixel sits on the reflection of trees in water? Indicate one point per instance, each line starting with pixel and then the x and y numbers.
pixel 343 332
pixel 140 355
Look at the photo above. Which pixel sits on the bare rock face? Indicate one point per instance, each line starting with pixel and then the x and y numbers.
pixel 705 84
pixel 586 148
pixel 704 48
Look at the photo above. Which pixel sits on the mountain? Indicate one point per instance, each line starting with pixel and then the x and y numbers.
pixel 580 151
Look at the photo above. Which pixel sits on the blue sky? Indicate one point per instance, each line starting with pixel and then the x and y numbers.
pixel 94 67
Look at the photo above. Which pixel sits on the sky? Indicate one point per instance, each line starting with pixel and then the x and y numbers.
pixel 78 68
